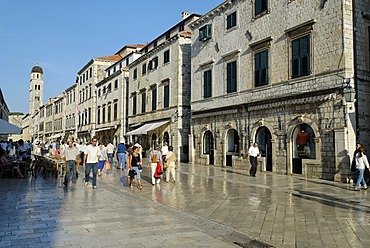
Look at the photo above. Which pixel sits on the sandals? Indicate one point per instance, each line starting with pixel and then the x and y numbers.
pixel 140 187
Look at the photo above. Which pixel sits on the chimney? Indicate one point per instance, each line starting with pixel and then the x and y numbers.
pixel 185 15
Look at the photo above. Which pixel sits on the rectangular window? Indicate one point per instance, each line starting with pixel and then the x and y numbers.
pixel 154 99
pixel 231 20
pixel 116 84
pixel 115 111
pixel 109 115
pixel 205 32
pixel 155 44
pixel 135 73
pixel 127 61
pixel 155 63
pixel 134 105
pixel 207 78
pixel 98 115
pixel 261 68
pixel 231 77
pixel 166 96
pixel 181 27
pixel 103 114
pixel 143 69
pixel 301 56
pixel 166 56
pixel 260 6
pixel 143 102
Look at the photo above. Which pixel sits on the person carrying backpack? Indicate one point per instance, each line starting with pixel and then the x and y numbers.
pixel 155 157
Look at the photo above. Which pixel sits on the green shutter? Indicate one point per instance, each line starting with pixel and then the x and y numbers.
pixel 295 58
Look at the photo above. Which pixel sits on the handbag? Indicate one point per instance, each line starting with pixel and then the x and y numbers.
pixel 353 166
pixel 107 165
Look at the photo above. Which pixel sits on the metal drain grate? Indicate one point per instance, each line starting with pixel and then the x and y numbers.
pixel 253 244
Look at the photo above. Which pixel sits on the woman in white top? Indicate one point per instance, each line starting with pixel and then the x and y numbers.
pixel 361 162
pixel 102 159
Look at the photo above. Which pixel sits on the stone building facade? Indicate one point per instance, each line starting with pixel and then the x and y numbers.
pixel 87 78
pixel 159 91
pixel 112 97
pixel 275 72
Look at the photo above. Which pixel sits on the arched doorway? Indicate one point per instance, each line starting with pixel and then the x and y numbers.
pixel 233 147
pixel 166 138
pixel 154 140
pixel 208 147
pixel 304 146
pixel 263 138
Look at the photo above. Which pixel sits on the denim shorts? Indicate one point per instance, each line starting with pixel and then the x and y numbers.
pixel 137 172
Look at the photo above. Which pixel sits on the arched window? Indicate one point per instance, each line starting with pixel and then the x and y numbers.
pixel 304 142
pixel 154 140
pixel 233 141
pixel 166 138
pixel 207 142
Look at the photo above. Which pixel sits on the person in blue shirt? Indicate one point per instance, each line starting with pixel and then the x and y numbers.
pixel 121 155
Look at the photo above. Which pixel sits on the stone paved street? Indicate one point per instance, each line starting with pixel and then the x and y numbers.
pixel 207 207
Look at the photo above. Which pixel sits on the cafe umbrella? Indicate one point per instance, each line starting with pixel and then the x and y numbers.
pixel 7 128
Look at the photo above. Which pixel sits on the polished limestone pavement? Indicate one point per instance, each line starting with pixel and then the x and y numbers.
pixel 206 207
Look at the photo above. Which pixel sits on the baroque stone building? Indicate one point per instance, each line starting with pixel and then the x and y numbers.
pixel 159 90
pixel 276 72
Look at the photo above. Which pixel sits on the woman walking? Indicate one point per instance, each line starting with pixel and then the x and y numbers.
pixel 361 163
pixel 171 165
pixel 103 158
pixel 134 163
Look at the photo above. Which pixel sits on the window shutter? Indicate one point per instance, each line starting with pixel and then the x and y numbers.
pixel 295 58
pixel 257 7
pixel 264 67
pixel 305 55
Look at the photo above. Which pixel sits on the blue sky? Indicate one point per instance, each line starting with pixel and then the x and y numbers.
pixel 62 36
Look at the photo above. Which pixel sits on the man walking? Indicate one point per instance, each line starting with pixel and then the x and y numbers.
pixel 91 159
pixel 110 152
pixel 253 153
pixel 71 154
pixel 121 150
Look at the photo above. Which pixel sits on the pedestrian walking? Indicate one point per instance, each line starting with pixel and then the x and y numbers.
pixel 171 165
pixel 155 157
pixel 102 158
pixel 361 163
pixel 164 150
pixel 253 153
pixel 71 155
pixel 121 150
pixel 110 152
pixel 91 159
pixel 134 163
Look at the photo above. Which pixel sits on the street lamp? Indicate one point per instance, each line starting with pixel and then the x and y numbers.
pixel 349 93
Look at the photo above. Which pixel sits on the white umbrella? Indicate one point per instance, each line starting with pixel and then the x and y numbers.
pixel 7 128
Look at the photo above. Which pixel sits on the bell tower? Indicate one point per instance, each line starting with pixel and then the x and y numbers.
pixel 36 89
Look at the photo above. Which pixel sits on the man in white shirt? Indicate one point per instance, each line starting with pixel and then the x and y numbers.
pixel 110 152
pixel 253 153
pixel 71 155
pixel 164 151
pixel 91 160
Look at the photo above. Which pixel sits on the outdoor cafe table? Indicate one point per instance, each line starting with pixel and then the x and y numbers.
pixel 58 162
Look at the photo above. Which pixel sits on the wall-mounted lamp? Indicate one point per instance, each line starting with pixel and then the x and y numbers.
pixel 349 93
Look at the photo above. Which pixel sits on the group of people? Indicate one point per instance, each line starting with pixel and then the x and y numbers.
pixel 360 164
pixel 129 157
pixel 19 150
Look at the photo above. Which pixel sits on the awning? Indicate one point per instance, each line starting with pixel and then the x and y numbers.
pixel 147 127
pixel 55 136
pixel 7 128
pixel 103 129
